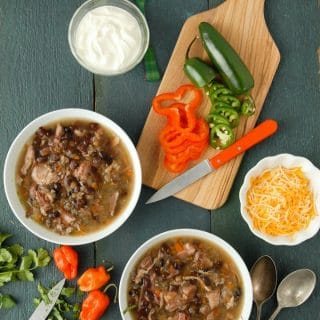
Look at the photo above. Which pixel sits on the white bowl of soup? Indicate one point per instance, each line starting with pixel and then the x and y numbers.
pixel 72 176
pixel 185 274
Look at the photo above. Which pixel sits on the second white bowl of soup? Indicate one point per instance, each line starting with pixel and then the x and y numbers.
pixel 185 274
pixel 72 176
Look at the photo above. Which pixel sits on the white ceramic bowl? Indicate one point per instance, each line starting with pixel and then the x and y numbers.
pixel 10 174
pixel 122 4
pixel 216 241
pixel 287 161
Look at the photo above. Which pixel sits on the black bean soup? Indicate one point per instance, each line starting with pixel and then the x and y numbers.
pixel 185 279
pixel 74 177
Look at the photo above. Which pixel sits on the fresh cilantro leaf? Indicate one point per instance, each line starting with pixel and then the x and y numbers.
pixel 43 257
pixel 6 301
pixel 3 237
pixel 6 276
pixel 25 275
pixel 68 292
pixel 16 249
pixel 40 258
pixel 62 307
pixel 26 262
pixel 5 256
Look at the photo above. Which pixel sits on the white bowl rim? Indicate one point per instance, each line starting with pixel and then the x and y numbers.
pixel 314 175
pixel 193 233
pixel 121 71
pixel 10 169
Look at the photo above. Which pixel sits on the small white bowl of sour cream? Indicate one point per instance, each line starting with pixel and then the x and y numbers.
pixel 287 161
pixel 108 37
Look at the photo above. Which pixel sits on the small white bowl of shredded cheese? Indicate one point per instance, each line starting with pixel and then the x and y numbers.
pixel 280 199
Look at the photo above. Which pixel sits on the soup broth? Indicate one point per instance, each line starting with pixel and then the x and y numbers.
pixel 185 279
pixel 74 177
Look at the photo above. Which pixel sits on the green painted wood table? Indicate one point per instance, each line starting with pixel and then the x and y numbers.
pixel 38 74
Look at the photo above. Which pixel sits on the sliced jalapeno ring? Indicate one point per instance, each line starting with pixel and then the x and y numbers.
pixel 221 136
pixel 231 114
pixel 214 118
pixel 219 92
pixel 248 106
pixel 232 101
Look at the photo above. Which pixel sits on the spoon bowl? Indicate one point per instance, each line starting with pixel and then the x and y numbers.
pixel 264 280
pixel 295 289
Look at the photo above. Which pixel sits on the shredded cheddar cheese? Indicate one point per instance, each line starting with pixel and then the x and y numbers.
pixel 280 201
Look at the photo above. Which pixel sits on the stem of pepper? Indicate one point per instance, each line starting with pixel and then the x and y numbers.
pixel 110 268
pixel 190 45
pixel 116 291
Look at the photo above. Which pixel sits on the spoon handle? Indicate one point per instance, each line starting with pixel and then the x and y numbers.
pixel 259 307
pixel 275 313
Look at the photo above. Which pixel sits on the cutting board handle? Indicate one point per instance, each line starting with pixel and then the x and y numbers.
pixel 246 6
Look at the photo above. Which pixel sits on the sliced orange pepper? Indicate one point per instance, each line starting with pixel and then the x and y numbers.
pixel 185 137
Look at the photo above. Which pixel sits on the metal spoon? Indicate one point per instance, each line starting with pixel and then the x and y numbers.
pixel 294 289
pixel 264 281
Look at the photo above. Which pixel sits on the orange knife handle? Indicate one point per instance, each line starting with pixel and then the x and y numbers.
pixel 256 135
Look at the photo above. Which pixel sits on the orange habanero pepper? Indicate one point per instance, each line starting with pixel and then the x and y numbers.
pixel 94 278
pixel 94 305
pixel 66 260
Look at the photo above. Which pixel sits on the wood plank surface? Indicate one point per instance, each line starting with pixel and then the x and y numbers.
pixel 37 74
pixel 294 101
pixel 242 24
pixel 126 100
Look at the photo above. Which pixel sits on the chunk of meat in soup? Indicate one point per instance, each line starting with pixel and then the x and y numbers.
pixel 85 173
pixel 28 160
pixel 42 174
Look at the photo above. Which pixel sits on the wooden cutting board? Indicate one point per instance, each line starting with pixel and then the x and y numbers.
pixel 242 23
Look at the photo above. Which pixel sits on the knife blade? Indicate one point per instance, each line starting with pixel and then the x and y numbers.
pixel 256 135
pixel 43 309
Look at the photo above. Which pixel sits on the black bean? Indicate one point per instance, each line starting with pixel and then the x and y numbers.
pixel 178 265
pixel 67 133
pixel 106 157
pixel 237 294
pixel 206 281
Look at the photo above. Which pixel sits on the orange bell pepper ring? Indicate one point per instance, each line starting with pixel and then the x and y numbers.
pixel 158 102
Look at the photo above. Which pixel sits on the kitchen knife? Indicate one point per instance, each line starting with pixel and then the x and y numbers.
pixel 43 309
pixel 256 135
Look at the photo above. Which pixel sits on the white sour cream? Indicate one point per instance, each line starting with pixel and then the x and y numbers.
pixel 108 39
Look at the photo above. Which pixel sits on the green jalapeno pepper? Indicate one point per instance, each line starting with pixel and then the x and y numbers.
pixel 230 114
pixel 230 66
pixel 198 72
pixel 248 107
pixel 221 136
pixel 214 118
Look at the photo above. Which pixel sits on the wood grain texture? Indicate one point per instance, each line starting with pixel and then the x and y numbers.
pixel 37 74
pixel 242 24
pixel 294 101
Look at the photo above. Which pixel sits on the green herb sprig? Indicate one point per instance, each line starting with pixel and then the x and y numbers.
pixel 62 307
pixel 15 265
